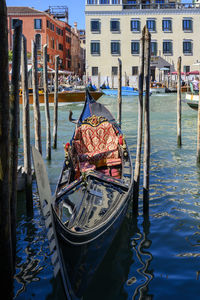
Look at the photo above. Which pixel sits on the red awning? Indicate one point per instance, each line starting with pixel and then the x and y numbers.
pixel 193 73
pixel 175 73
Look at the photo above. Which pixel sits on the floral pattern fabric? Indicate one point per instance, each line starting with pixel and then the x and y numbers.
pixel 95 143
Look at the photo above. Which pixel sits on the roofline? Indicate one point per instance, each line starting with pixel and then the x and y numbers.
pixel 37 12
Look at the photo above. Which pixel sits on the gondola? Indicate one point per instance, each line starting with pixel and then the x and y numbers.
pixel 92 196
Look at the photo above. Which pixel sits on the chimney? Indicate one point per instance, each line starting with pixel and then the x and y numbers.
pixel 75 27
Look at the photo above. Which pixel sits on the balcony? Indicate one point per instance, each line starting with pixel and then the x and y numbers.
pixel 160 6
pixel 136 4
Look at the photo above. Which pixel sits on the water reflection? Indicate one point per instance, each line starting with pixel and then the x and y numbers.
pixel 32 249
pixel 144 274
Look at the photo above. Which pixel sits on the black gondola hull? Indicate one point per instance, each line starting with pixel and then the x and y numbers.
pixel 81 257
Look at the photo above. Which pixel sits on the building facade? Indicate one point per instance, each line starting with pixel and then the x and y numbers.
pixel 47 28
pixel 114 27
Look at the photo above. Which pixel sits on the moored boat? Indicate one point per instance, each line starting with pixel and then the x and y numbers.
pixel 192 100
pixel 64 97
pixel 126 91
pixel 157 87
pixel 92 195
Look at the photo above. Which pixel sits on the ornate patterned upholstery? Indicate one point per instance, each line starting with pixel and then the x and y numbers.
pixel 96 140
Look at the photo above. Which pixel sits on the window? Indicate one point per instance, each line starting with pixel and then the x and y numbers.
pixel 135 47
pixel 151 25
pixel 114 25
pixel 60 47
pixel 95 48
pixel 38 41
pixel 52 43
pixel 94 71
pixel 167 25
pixel 37 24
pixel 187 25
pixel 135 25
pixel 186 69
pixel 91 1
pixel 154 48
pixel 115 1
pixel 187 47
pixel 95 26
pixel 114 71
pixel 115 47
pixel 167 47
pixel 134 70
pixel 104 1
pixel 14 21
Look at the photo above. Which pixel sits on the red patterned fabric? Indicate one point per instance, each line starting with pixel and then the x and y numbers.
pixel 95 143
pixel 86 166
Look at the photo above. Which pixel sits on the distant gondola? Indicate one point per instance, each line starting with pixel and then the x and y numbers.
pixel 92 196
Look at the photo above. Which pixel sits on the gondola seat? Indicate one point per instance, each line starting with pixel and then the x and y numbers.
pixel 96 142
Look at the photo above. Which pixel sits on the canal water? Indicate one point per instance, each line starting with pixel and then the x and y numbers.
pixel 156 258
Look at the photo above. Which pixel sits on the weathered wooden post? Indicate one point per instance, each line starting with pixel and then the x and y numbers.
pixel 46 100
pixel 112 80
pixel 99 80
pixel 146 163
pixel 14 125
pixel 55 124
pixel 198 129
pixel 179 142
pixel 36 104
pixel 119 117
pixel 26 127
pixel 6 256
pixel 140 128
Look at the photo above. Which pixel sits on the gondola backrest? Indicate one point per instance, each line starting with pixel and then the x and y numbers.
pixel 95 140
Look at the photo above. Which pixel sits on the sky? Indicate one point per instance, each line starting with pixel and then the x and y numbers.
pixel 75 7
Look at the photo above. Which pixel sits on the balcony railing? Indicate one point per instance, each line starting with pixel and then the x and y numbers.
pixel 161 6
pixel 143 6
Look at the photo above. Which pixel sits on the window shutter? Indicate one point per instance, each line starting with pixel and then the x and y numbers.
pixel 170 25
pixel 170 47
pixel 138 25
pixel 154 25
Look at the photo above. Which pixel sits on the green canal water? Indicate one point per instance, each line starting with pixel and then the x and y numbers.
pixel 158 258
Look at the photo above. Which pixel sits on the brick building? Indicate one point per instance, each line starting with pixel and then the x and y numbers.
pixel 44 28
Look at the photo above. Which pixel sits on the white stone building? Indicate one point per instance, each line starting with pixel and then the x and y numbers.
pixel 113 30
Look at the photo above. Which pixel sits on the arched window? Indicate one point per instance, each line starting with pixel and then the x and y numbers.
pixel 38 41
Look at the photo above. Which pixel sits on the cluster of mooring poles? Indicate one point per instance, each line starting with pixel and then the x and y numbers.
pixel 100 82
pixel 144 84
pixel 10 133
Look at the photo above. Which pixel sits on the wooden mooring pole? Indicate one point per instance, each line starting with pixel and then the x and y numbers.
pixel 26 128
pixel 6 254
pixel 140 128
pixel 99 80
pixel 119 117
pixel 36 104
pixel 179 142
pixel 112 80
pixel 14 126
pixel 198 130
pixel 46 100
pixel 146 162
pixel 55 123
